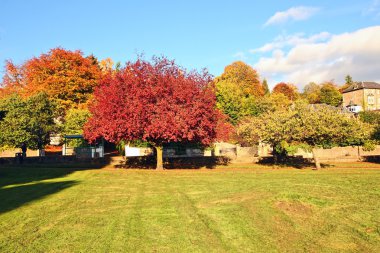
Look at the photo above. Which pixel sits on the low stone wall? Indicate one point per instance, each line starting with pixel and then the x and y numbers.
pixel 335 154
pixel 50 160
pixel 246 154
pixel 12 152
pixel 220 149
pixel 234 153
pixel 149 162
pixel 341 154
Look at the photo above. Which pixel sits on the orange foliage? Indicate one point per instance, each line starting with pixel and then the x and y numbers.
pixel 12 80
pixel 288 90
pixel 245 76
pixel 66 76
pixel 106 65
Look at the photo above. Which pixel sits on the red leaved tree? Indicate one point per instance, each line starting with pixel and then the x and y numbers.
pixel 158 102
pixel 288 90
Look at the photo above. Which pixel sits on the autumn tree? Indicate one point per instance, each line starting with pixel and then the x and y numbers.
pixel 288 90
pixel 154 101
pixel 312 92
pixel 271 103
pixel 266 87
pixel 26 120
pixel 67 77
pixel 236 90
pixel 13 81
pixel 329 94
pixel 106 65
pixel 305 126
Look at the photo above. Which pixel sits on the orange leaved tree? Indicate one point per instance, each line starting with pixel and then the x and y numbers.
pixel 67 77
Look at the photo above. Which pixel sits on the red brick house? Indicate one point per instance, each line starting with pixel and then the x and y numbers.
pixel 362 96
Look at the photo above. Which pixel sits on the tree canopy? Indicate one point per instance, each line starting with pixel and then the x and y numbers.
pixel 329 94
pixel 154 101
pixel 289 90
pixel 67 77
pixel 312 92
pixel 348 83
pixel 237 89
pixel 266 87
pixel 27 121
pixel 75 120
pixel 302 124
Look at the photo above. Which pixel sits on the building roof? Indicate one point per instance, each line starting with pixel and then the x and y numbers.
pixel 362 85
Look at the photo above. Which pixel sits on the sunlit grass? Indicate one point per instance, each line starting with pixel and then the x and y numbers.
pixel 243 208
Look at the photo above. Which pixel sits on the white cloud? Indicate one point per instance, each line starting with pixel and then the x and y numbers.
pixel 240 56
pixel 356 53
pixel 373 9
pixel 294 13
pixel 282 41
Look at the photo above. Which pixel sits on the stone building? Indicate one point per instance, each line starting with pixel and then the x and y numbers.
pixel 362 96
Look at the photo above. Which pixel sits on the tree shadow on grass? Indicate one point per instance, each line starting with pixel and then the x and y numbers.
pixel 293 162
pixel 23 175
pixel 372 159
pixel 20 185
pixel 149 162
pixel 14 197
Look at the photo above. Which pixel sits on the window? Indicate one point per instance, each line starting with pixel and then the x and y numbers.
pixel 371 100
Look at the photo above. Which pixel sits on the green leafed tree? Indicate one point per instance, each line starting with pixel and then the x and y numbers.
pixel 75 119
pixel 305 126
pixel 74 122
pixel 237 89
pixel 347 84
pixel 271 103
pixel 373 118
pixel 26 120
pixel 348 80
pixel 329 94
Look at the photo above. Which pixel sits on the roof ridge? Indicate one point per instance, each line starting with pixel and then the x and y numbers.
pixel 362 85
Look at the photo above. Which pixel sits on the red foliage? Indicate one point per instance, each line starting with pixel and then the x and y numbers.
pixel 156 102
pixel 287 89
pixel 225 131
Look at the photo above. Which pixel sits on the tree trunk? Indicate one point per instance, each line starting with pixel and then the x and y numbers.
pixel 275 157
pixel 160 164
pixel 275 154
pixel 316 160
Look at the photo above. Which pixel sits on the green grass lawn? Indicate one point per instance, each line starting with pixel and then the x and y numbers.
pixel 242 208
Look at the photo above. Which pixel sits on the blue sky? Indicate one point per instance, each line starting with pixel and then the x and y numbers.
pixel 291 41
